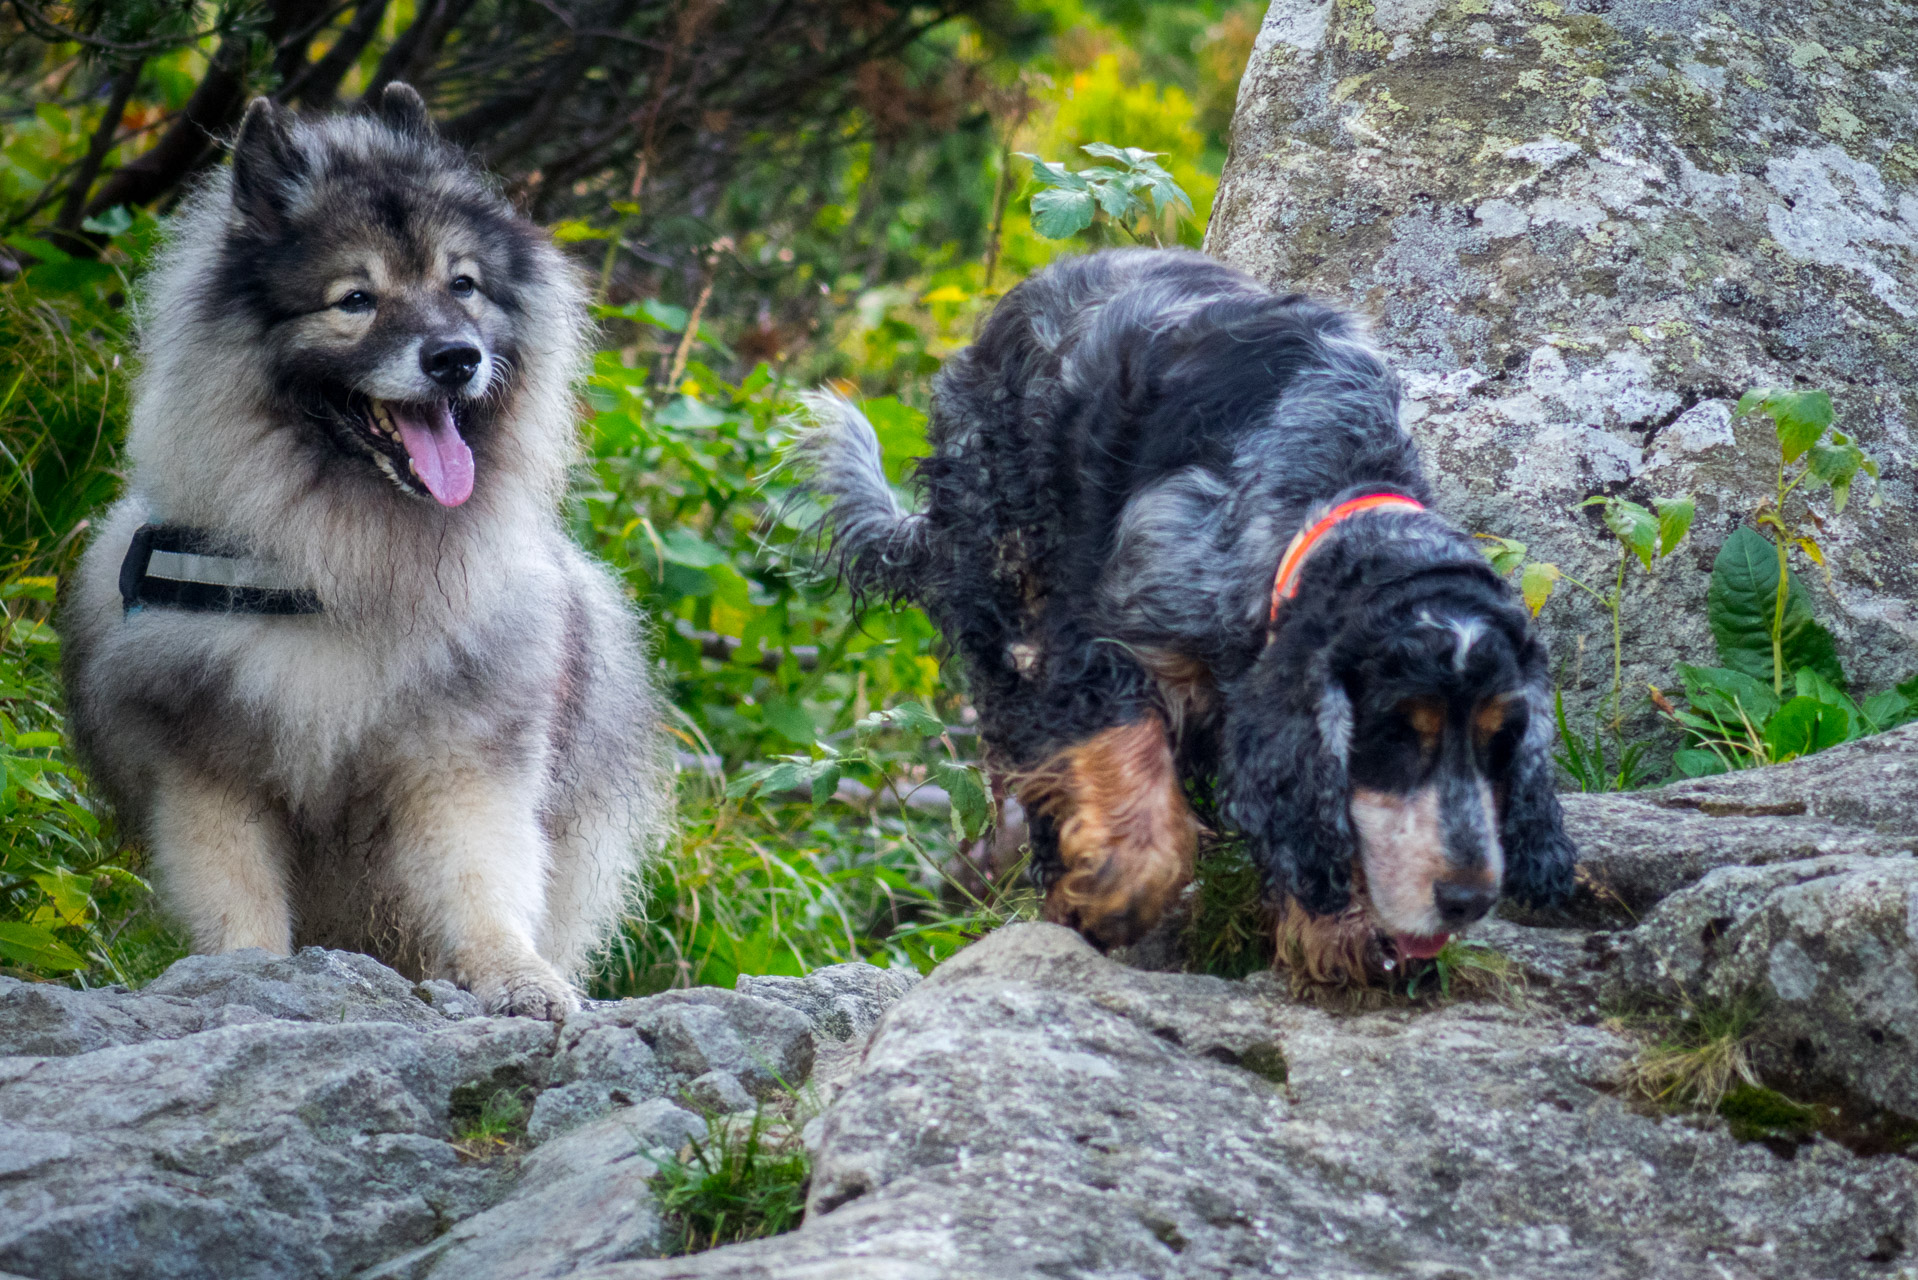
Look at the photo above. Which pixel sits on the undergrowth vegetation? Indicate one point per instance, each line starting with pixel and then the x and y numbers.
pixel 746 1179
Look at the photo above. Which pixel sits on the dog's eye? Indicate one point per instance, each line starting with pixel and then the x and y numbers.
pixel 462 286
pixel 357 301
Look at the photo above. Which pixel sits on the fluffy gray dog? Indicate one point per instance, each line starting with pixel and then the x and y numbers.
pixel 332 656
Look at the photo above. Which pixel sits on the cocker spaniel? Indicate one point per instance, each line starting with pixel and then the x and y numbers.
pixel 1174 532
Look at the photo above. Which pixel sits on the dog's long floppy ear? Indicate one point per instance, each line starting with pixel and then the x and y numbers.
pixel 266 164
pixel 1283 776
pixel 1538 854
pixel 404 111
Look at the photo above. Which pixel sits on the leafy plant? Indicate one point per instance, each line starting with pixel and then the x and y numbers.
pixel 1802 422
pixel 1644 535
pixel 1130 196
pixel 1780 691
pixel 497 1126
pixel 737 1184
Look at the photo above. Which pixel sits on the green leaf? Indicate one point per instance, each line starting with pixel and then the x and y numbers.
pixel 36 946
pixel 1506 554
pixel 1058 214
pixel 1804 726
pixel 1634 527
pixel 1740 607
pixel 1800 417
pixel 1885 710
pixel 825 783
pixel 1536 584
pixel 971 810
pixel 1113 196
pixel 109 222
pixel 1048 174
pixel 1812 685
pixel 1836 464
pixel 1724 694
pixel 685 411
pixel 683 546
pixel 1696 762
pixel 1674 521
pixel 790 720
pixel 907 717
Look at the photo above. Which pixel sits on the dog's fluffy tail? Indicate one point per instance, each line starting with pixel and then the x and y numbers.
pixel 876 547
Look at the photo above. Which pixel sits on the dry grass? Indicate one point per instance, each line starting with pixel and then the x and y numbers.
pixel 1700 1055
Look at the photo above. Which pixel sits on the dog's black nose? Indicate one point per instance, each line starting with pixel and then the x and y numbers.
pixel 1460 904
pixel 449 361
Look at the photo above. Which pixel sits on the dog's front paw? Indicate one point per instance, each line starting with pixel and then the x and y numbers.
pixel 526 991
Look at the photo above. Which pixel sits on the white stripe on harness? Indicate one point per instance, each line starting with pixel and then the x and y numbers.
pixel 219 571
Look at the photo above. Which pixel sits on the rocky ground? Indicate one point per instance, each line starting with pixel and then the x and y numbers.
pixel 1035 1109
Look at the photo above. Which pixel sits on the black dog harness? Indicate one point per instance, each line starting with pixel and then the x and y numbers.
pixel 180 568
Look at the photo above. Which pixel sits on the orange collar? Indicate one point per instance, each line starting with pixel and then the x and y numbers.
pixel 1286 584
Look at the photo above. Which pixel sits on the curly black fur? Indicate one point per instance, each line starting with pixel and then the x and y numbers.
pixel 1118 463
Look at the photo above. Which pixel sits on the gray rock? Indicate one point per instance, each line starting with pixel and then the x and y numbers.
pixel 1860 799
pixel 840 1000
pixel 579 1201
pixel 1582 230
pixel 201 992
pixel 1827 947
pixel 304 1118
pixel 1033 1109
pixel 719 1093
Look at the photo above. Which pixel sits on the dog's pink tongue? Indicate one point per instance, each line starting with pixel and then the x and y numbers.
pixel 1412 947
pixel 440 458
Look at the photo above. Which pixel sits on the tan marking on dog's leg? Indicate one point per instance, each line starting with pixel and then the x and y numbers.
pixel 1126 835
pixel 1326 951
pixel 221 856
pixel 471 860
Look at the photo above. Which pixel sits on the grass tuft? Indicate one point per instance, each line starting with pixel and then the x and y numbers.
pixel 1701 1055
pixel 743 1181
pixel 1473 970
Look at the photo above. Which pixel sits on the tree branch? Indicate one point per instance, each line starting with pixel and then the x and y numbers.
pixel 319 85
pixel 73 209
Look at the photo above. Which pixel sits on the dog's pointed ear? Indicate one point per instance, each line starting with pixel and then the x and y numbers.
pixel 266 163
pixel 1538 854
pixel 1284 779
pixel 404 111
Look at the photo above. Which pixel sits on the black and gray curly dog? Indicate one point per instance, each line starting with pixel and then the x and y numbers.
pixel 1178 538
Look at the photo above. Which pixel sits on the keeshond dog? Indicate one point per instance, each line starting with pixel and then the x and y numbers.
pixel 332 656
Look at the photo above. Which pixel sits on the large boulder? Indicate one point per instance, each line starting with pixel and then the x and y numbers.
pixel 1034 1109
pixel 1582 229
pixel 313 1116
pixel 1636 849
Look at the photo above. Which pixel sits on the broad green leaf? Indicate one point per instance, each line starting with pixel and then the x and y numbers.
pixel 1886 710
pixel 907 717
pixel 784 776
pixel 1836 464
pixel 37 947
pixel 1812 685
pixel 1800 417
pixel 1804 726
pixel 1052 175
pixel 970 807
pixel 1113 196
pixel 1058 214
pixel 1631 524
pixel 1536 584
pixel 1729 696
pixel 1696 762
pixel 1506 554
pixel 790 720
pixel 683 546
pixel 1128 156
pixel 825 783
pixel 30 588
pixel 685 411
pixel 1674 521
pixel 1740 605
pixel 109 222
